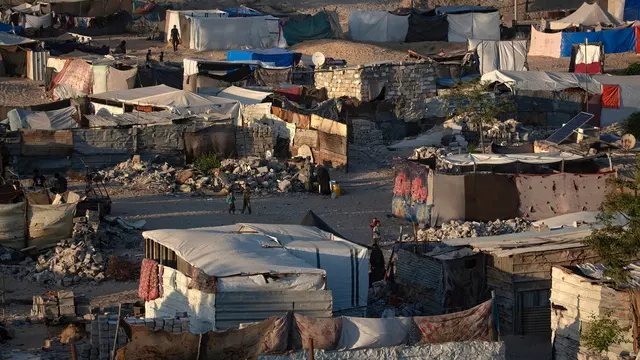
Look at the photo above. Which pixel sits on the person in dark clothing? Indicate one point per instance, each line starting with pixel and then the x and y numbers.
pixel 38 180
pixel 148 58
pixel 246 200
pixel 161 56
pixel 376 265
pixel 175 38
pixel 323 180
pixel 121 48
pixel 60 187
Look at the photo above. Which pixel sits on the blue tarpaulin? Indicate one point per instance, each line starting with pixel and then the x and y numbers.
pixel 7 28
pixel 615 41
pixel 241 11
pixel 631 10
pixel 276 56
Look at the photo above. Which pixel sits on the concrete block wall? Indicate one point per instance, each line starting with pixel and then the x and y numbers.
pixel 422 278
pixel 365 133
pixel 254 141
pixel 408 84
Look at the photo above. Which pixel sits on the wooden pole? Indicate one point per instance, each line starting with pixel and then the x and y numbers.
pixel 115 339
pixel 311 356
pixel 494 308
pixel 74 356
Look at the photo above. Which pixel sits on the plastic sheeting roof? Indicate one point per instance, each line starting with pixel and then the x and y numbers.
pixel 540 80
pixel 7 39
pixel 284 234
pixel 244 96
pixel 223 254
pixel 586 15
pixel 61 119
pixel 136 118
pixel 501 159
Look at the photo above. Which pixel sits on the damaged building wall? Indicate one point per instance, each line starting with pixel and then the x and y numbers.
pixel 522 283
pixel 574 301
pixel 547 108
pixel 406 84
pixel 254 141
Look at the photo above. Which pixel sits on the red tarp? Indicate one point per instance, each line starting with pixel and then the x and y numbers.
pixel 593 68
pixel 637 40
pixel 611 96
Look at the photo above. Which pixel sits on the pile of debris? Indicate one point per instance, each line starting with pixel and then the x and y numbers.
pixel 262 177
pixel 457 229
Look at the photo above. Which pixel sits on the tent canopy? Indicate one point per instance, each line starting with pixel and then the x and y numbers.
pixel 213 33
pixel 586 15
pixel 540 80
pixel 7 39
pixel 311 219
pixel 244 96
pixel 377 26
pixel 223 254
pixel 61 119
pixel 501 159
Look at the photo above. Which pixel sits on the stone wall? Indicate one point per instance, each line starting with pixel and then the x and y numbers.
pixel 407 84
pixel 365 133
pixel 254 141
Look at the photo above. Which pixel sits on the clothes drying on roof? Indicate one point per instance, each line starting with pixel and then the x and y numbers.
pixel 586 15
pixel 481 26
pixel 500 55
pixel 587 59
pixel 307 27
pixel 377 26
pixel 545 44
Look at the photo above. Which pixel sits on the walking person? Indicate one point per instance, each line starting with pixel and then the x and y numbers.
pixel 375 230
pixel 162 56
pixel 246 199
pixel 148 58
pixel 175 38
pixel 60 185
pixel 231 201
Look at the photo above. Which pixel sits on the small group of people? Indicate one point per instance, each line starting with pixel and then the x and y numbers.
pixel 246 200
pixel 148 57
pixel 58 186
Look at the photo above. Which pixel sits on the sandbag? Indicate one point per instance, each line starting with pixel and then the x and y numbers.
pixel 38 197
pixel 49 224
pixel 364 333
pixel 12 226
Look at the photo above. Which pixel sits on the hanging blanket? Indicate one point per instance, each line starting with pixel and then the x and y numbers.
pixel 148 289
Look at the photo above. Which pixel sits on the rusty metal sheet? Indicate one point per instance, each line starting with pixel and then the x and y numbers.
pixel 302 121
pixel 328 126
pixel 46 142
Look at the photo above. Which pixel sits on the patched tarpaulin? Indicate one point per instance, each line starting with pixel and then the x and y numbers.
pixel 475 324
pixel 76 75
pixel 49 224
pixel 448 198
pixel 410 192
pixel 219 140
pixel 489 197
pixel 12 226
pixel 61 119
pixel 423 27
pixel 546 196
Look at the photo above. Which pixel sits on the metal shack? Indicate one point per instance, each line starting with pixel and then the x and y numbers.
pixel 580 292
pixel 519 270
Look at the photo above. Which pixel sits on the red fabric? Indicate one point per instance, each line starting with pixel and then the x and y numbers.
pixel 469 325
pixel 611 96
pixel 637 40
pixel 292 93
pixel 149 284
pixel 593 68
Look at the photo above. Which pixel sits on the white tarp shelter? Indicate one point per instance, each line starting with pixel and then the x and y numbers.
pixel 540 80
pixel 481 26
pixel 213 33
pixel 500 55
pixel 61 119
pixel 244 96
pixel 178 101
pixel 173 18
pixel 502 159
pixel 629 98
pixel 377 26
pixel 586 15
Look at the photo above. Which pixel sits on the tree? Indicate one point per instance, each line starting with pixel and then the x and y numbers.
pixel 477 105
pixel 618 244
pixel 631 125
pixel 602 332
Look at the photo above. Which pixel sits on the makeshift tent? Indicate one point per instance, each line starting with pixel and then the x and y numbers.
pixel 586 15
pixel 377 26
pixel 260 32
pixel 311 219
pixel 481 26
pixel 587 59
pixel 276 56
pixel 500 55
pixel 170 74
pixel 425 27
pixel 107 78
pixel 241 11
pixel 179 19
pixel 545 44
pixel 624 102
pixel 307 27
pixel 625 10
pixel 501 159
pixel 161 96
pixel 43 120
pixel 75 79
pixel 540 80
pixel 14 59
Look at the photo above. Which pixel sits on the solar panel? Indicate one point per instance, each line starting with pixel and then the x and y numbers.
pixel 561 134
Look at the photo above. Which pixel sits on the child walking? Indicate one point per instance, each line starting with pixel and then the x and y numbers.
pixel 231 200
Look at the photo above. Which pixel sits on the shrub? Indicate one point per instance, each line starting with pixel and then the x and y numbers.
pixel 631 125
pixel 632 69
pixel 206 163
pixel 602 332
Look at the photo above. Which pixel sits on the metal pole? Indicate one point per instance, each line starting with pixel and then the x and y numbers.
pixel 115 340
pixel 586 97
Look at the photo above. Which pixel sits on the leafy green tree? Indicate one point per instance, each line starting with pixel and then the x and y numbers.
pixel 602 332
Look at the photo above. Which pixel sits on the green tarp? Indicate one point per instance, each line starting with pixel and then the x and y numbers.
pixel 308 27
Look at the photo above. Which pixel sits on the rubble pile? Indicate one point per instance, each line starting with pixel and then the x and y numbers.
pixel 427 152
pixel 262 176
pixel 457 229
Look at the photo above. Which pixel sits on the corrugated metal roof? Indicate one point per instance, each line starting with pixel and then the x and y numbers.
pixel 511 244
